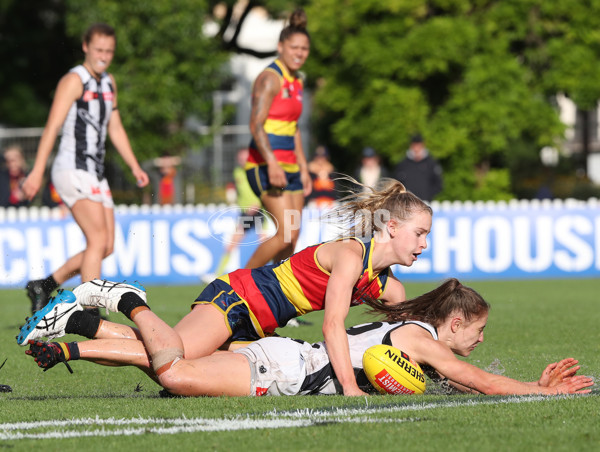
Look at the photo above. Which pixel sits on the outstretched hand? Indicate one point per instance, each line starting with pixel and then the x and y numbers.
pixel 557 373
pixel 574 385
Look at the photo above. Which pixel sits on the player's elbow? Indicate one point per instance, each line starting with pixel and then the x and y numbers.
pixel 330 326
pixel 255 128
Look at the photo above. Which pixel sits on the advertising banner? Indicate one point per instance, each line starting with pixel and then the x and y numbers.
pixel 185 246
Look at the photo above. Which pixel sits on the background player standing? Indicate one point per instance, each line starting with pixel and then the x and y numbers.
pixel 85 106
pixel 277 168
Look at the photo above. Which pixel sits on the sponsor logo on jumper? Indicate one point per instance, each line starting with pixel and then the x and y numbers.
pixel 89 95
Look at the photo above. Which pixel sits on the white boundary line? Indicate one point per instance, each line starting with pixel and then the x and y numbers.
pixel 275 419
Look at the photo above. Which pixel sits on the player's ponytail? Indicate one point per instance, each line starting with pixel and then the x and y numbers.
pixel 436 306
pixel 367 210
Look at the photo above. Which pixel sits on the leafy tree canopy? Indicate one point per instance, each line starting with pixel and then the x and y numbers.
pixel 165 67
pixel 476 78
pixel 35 52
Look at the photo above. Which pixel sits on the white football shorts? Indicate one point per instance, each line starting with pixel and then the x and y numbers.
pixel 283 366
pixel 73 185
pixel 276 365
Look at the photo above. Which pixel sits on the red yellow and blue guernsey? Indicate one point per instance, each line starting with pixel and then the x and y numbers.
pixel 256 302
pixel 282 121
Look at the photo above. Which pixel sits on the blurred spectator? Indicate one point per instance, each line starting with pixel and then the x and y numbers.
pixel 544 192
pixel 370 171
pixel 419 172
pixel 12 176
pixel 167 185
pixel 321 170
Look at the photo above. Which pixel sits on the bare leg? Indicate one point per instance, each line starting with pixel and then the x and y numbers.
pixel 160 355
pixel 115 352
pixel 202 331
pixel 297 200
pixel 112 330
pixel 92 218
pixel 221 374
pixel 283 242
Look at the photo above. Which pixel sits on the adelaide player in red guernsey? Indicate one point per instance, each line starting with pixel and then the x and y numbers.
pixel 276 167
pixel 384 228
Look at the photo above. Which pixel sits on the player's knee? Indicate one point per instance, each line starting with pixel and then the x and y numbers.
pixel 171 381
pixel 108 249
pixel 97 242
pixel 164 364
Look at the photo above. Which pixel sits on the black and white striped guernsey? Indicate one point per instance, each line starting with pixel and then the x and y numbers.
pixel 321 379
pixel 82 144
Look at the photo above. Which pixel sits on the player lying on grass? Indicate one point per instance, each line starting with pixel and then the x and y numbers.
pixel 392 226
pixel 431 329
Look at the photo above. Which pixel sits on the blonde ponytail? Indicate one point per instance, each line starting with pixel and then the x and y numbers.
pixel 367 211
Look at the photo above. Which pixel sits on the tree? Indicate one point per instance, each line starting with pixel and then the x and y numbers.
pixel 35 52
pixel 166 68
pixel 477 78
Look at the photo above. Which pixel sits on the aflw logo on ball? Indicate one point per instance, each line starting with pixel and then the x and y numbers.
pixel 405 364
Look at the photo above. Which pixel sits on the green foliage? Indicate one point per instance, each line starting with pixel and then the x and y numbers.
pixel 476 78
pixel 165 68
pixel 35 53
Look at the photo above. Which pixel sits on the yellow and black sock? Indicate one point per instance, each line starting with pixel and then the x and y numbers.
pixel 70 350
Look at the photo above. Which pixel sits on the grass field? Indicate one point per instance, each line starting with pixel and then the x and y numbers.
pixel 531 324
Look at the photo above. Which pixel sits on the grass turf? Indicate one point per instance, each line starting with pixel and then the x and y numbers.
pixel 531 324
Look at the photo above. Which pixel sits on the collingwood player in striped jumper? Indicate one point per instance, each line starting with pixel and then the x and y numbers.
pixel 432 329
pixel 85 106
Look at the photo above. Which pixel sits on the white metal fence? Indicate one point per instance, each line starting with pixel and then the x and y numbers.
pixel 34 213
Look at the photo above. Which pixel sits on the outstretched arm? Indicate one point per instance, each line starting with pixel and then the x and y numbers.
pixel 472 378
